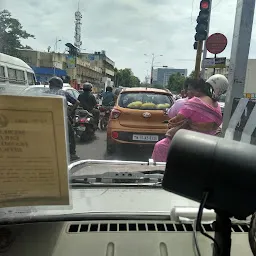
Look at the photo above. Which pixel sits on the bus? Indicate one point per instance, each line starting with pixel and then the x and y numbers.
pixel 15 75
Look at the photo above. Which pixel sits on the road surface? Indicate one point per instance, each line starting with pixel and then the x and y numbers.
pixel 96 149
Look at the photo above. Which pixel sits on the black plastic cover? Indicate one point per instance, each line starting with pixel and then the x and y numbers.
pixel 227 169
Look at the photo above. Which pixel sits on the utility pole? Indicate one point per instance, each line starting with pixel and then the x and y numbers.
pixel 152 65
pixel 152 68
pixel 198 59
pixel 239 55
pixel 55 51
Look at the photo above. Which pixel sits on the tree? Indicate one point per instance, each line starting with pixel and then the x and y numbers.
pixel 126 78
pixel 192 74
pixel 11 33
pixel 176 82
pixel 135 81
pixel 157 86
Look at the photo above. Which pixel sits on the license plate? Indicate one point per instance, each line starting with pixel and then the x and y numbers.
pixel 81 128
pixel 145 137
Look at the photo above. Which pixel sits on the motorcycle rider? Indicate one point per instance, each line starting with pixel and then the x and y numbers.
pixel 88 102
pixel 55 87
pixel 108 97
pixel 100 94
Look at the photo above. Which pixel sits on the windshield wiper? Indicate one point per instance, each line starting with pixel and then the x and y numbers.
pixel 118 178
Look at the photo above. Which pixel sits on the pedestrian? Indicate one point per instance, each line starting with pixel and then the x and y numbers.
pixel 200 114
pixel 55 87
pixel 189 91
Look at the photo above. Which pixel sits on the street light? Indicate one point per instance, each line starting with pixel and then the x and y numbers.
pixel 55 50
pixel 152 64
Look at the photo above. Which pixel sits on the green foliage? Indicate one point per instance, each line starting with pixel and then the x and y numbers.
pixel 192 74
pixel 11 32
pixel 126 78
pixel 157 86
pixel 176 82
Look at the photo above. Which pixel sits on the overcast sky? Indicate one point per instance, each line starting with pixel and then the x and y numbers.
pixel 126 29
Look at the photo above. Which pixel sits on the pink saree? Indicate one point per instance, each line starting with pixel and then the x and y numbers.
pixel 199 116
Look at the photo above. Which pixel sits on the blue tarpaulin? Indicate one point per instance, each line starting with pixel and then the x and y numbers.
pixel 49 71
pixel 44 74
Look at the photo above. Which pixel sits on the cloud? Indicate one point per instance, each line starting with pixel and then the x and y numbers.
pixel 126 29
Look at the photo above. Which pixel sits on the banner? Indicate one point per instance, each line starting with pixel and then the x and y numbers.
pixel 71 61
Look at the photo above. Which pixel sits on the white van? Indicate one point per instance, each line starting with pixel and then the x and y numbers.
pixel 15 75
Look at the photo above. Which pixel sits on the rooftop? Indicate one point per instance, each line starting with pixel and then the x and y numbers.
pixel 145 89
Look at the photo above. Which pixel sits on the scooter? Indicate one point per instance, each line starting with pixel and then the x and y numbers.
pixel 84 125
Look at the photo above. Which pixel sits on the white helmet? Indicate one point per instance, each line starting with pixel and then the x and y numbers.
pixel 219 84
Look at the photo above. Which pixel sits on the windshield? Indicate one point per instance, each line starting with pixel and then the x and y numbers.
pixel 144 51
pixel 144 101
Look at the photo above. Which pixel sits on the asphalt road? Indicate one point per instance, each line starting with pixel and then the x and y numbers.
pixel 96 149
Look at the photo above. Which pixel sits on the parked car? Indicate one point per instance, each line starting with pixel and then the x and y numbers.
pixel 138 117
pixel 37 90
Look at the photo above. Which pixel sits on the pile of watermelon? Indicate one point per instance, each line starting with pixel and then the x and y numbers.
pixel 147 105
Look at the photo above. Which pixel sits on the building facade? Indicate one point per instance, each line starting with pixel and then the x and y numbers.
pixel 161 75
pixel 101 60
pixel 48 64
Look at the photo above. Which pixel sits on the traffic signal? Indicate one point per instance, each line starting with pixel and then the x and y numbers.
pixel 203 20
pixel 195 45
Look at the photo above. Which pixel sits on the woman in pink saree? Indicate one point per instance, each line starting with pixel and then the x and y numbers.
pixel 201 114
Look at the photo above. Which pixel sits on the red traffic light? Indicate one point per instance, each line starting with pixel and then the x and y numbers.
pixel 204 5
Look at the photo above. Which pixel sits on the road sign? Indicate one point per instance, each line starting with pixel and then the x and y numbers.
pixel 216 43
pixel 242 126
pixel 215 63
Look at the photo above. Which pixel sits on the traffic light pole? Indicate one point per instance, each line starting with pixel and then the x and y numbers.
pixel 239 55
pixel 198 59
pixel 202 30
pixel 205 50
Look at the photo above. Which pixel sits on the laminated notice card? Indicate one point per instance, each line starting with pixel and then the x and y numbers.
pixel 33 154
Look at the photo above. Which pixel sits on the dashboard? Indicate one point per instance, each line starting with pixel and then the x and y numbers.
pixel 112 237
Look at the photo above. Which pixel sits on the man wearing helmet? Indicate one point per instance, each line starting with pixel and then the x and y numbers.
pixel 55 85
pixel 108 97
pixel 88 101
pixel 217 85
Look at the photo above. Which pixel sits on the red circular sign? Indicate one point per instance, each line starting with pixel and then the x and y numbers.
pixel 216 43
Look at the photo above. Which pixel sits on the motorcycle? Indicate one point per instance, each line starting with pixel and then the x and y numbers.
pixel 84 125
pixel 104 116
